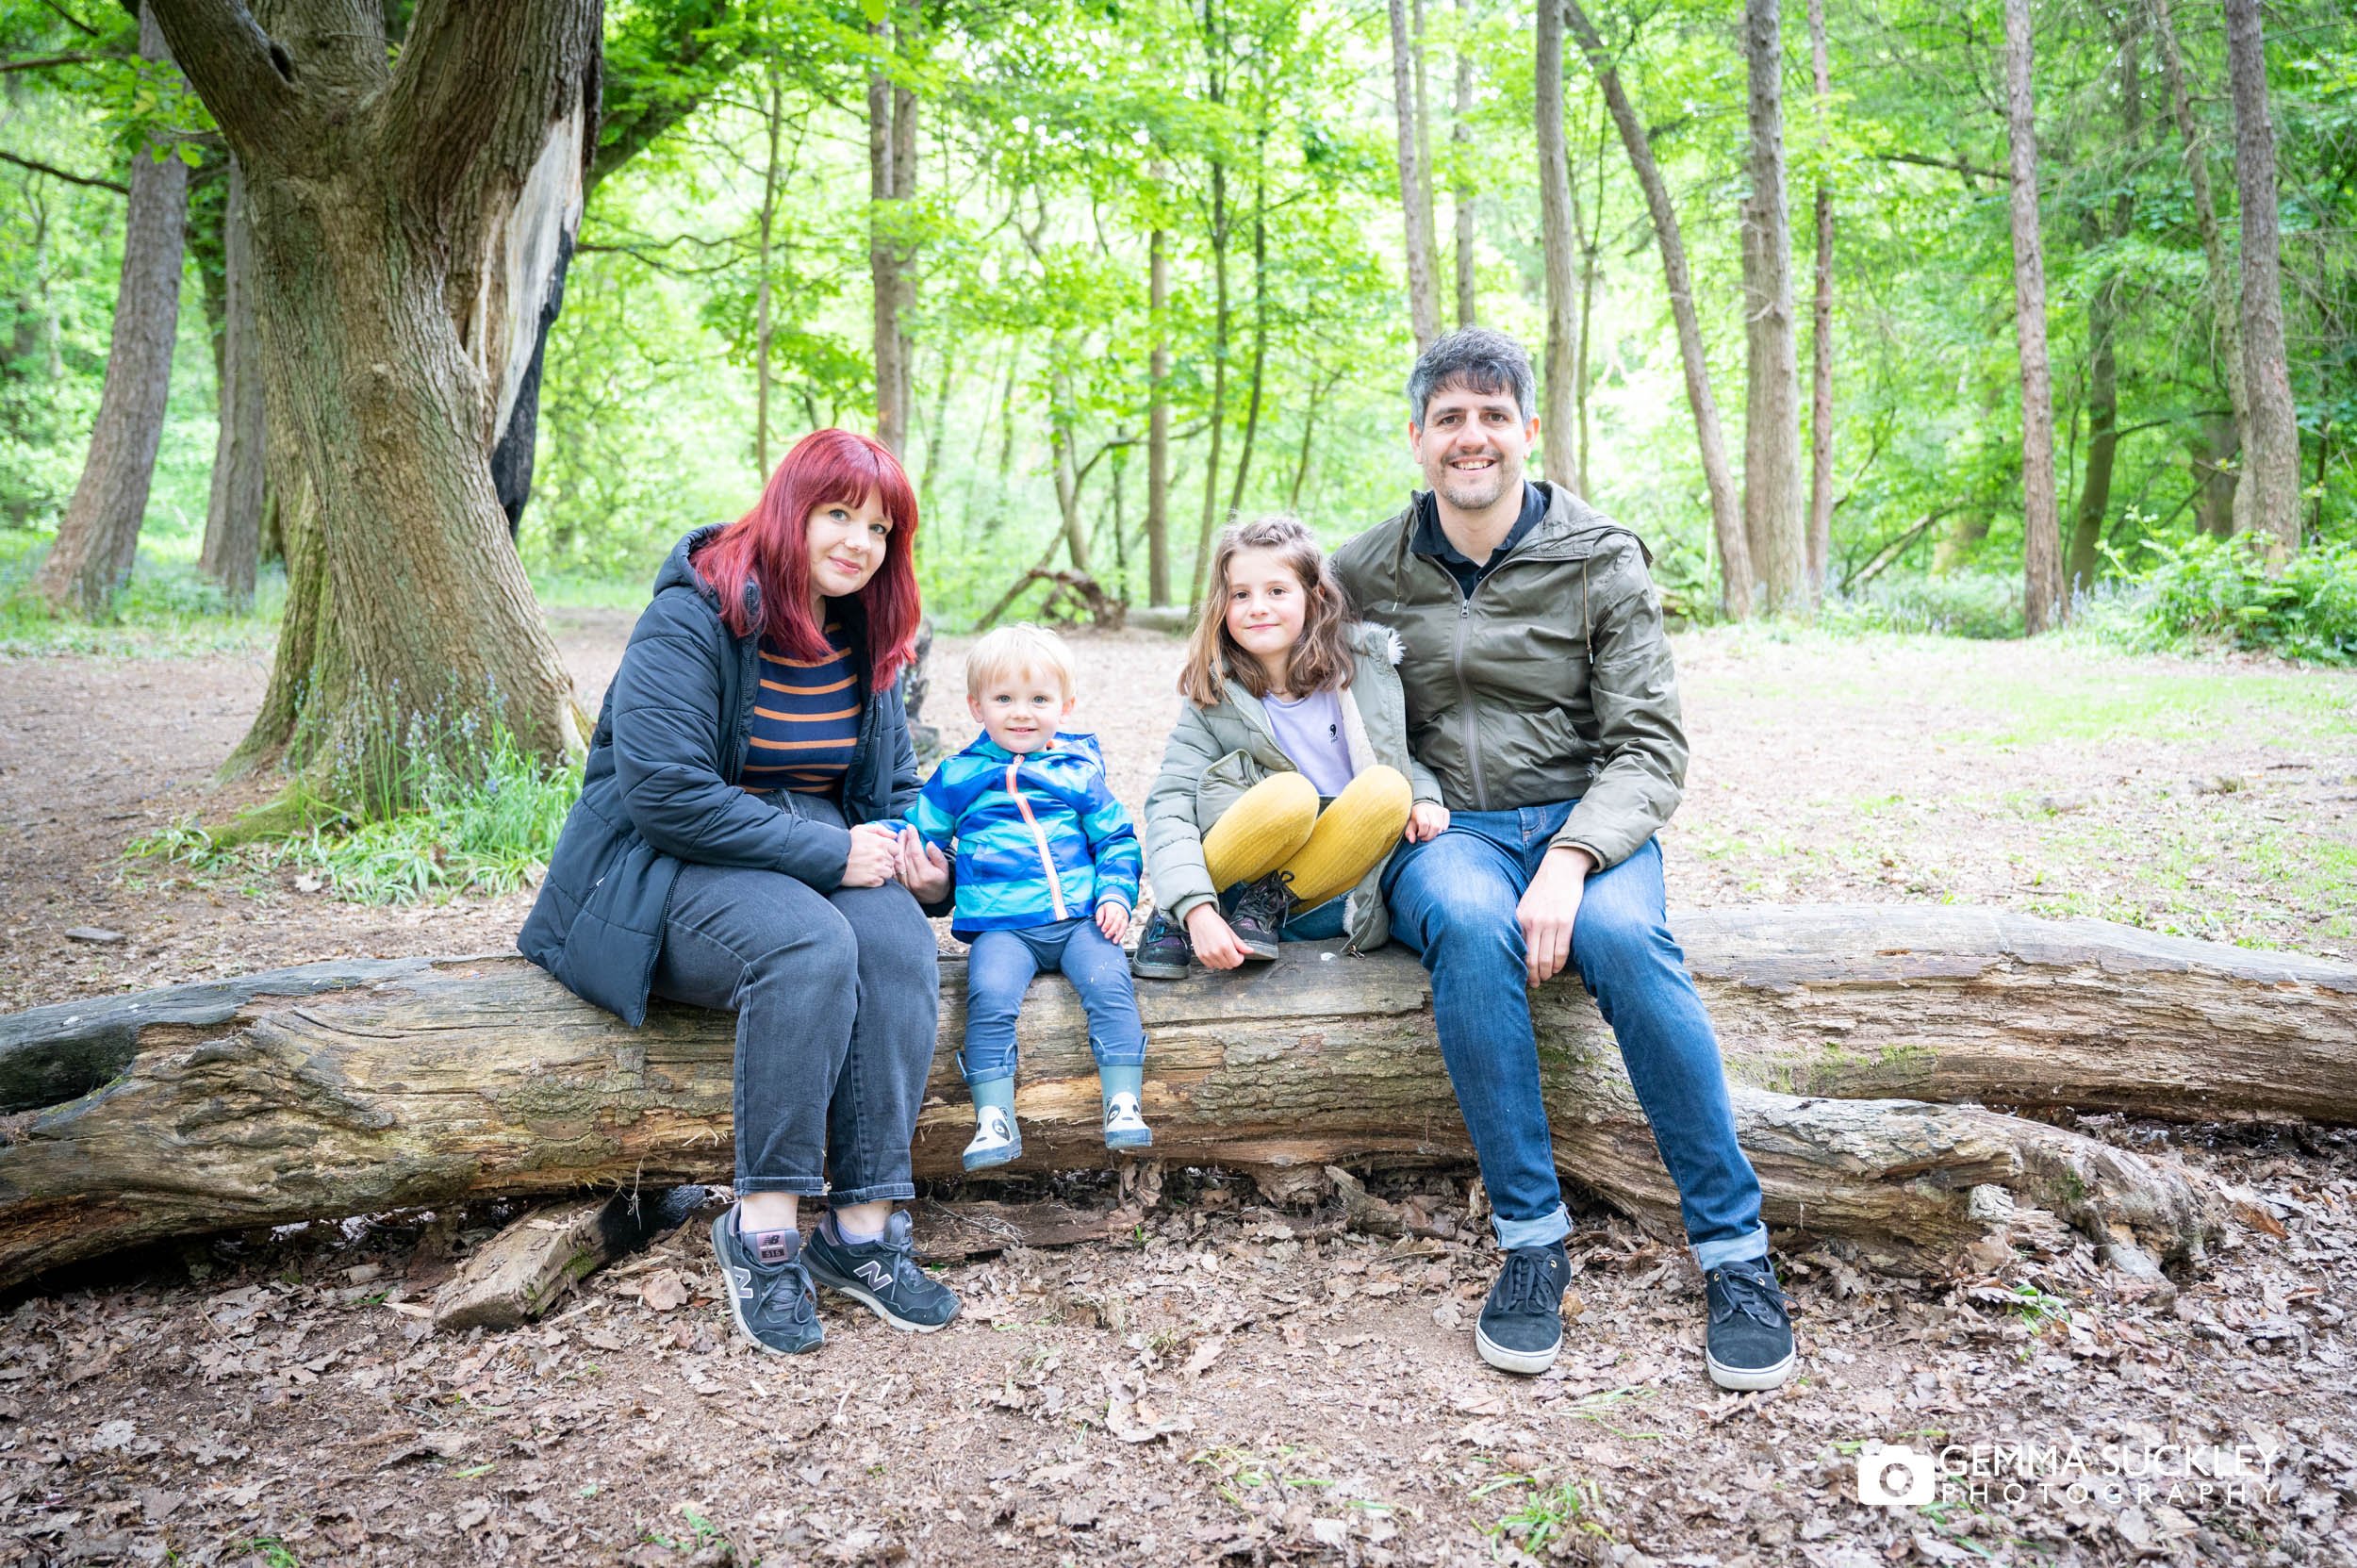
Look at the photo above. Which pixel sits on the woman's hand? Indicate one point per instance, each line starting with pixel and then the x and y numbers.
pixel 1113 918
pixel 1213 938
pixel 924 870
pixel 1426 821
pixel 875 856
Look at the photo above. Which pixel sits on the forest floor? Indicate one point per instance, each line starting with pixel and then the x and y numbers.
pixel 1219 1380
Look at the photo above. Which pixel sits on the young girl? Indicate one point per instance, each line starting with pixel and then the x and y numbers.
pixel 1287 782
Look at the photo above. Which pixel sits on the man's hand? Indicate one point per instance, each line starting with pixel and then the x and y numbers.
pixel 924 870
pixel 1549 907
pixel 1113 918
pixel 1426 821
pixel 1213 938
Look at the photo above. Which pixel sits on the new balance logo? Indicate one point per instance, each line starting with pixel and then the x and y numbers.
pixel 743 1280
pixel 877 1275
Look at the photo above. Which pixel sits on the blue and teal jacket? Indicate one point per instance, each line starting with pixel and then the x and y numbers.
pixel 1039 836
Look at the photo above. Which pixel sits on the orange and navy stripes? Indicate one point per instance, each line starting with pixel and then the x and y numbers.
pixel 806 721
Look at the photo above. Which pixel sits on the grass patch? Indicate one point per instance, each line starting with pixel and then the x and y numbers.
pixel 1548 1516
pixel 168 610
pixel 485 831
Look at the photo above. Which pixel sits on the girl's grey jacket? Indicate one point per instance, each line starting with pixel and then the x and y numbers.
pixel 1218 753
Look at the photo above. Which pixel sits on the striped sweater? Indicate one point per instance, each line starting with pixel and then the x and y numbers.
pixel 1039 837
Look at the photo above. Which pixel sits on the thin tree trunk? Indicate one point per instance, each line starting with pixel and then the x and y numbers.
pixel 100 532
pixel 887 183
pixel 2095 485
pixel 1424 302
pixel 1065 466
pixel 1462 190
pixel 1308 431
pixel 1157 425
pixel 2272 456
pixel 2041 543
pixel 1557 433
pixel 1735 557
pixel 2225 316
pixel 1820 429
pixel 233 518
pixel 1772 410
pixel 1260 326
pixel 1589 227
pixel 775 111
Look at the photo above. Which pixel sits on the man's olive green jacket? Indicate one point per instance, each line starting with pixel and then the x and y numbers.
pixel 1551 682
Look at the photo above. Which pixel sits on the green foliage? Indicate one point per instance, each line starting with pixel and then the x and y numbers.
pixel 1961 605
pixel 2213 590
pixel 1547 1516
pixel 168 610
pixel 425 831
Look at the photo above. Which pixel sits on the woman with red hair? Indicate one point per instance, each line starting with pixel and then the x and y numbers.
pixel 730 850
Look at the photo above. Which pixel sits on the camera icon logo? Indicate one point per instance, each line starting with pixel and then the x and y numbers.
pixel 1893 1475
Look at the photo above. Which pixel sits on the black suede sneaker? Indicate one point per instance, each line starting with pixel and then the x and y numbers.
pixel 882 1276
pixel 1522 1324
pixel 1260 915
pixel 1162 949
pixel 769 1294
pixel 1750 1333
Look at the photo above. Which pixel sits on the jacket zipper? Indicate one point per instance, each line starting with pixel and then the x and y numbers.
pixel 1464 692
pixel 1039 837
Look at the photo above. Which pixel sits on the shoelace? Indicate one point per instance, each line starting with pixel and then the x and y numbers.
pixel 1524 1285
pixel 790 1278
pixel 1268 898
pixel 1753 1295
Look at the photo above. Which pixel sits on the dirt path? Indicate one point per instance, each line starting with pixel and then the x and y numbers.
pixel 267 1399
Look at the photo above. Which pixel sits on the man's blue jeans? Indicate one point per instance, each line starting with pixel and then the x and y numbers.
pixel 1453 900
pixel 998 970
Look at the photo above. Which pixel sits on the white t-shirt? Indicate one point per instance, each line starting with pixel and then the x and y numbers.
pixel 1310 730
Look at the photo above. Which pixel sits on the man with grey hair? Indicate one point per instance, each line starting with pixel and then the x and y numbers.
pixel 1540 693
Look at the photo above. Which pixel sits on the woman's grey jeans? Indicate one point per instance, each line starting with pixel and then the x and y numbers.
pixel 837 1000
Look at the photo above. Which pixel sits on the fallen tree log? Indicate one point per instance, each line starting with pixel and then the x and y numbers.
pixel 348 1088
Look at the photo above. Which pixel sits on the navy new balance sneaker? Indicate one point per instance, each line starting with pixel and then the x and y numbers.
pixel 882 1276
pixel 1520 1327
pixel 1749 1337
pixel 768 1287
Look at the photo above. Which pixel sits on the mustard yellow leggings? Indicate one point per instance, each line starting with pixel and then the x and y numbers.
pixel 1277 826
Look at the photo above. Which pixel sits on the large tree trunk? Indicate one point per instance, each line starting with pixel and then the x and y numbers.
pixel 2095 487
pixel 1821 346
pixel 1771 409
pixel 2041 544
pixel 1557 431
pixel 233 519
pixel 2225 316
pixel 1158 424
pixel 383 201
pixel 1863 1044
pixel 1726 517
pixel 2271 453
pixel 100 532
pixel 1424 298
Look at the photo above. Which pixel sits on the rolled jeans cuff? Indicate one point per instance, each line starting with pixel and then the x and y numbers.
pixel 800 1186
pixel 1515 1234
pixel 1734 1249
pixel 875 1191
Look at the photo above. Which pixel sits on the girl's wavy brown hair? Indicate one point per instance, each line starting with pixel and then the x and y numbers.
pixel 1321 660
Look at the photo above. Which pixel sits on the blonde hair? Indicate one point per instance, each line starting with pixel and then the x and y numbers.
pixel 1019 649
pixel 1321 659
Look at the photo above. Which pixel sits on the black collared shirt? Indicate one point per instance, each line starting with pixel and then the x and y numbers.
pixel 1432 540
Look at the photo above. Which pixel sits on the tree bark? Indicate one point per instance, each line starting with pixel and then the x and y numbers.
pixel 2225 315
pixel 2271 453
pixel 773 118
pixel 2095 486
pixel 1065 464
pixel 1735 556
pixel 1158 424
pixel 233 519
pixel 2041 542
pixel 1424 301
pixel 1558 430
pixel 1820 432
pixel 1862 1046
pixel 382 197
pixel 100 533
pixel 1772 410
pixel 891 180
pixel 1461 189
pixel 1260 326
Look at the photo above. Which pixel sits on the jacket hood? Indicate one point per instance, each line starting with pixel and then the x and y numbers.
pixel 1372 641
pixel 677 571
pixel 984 747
